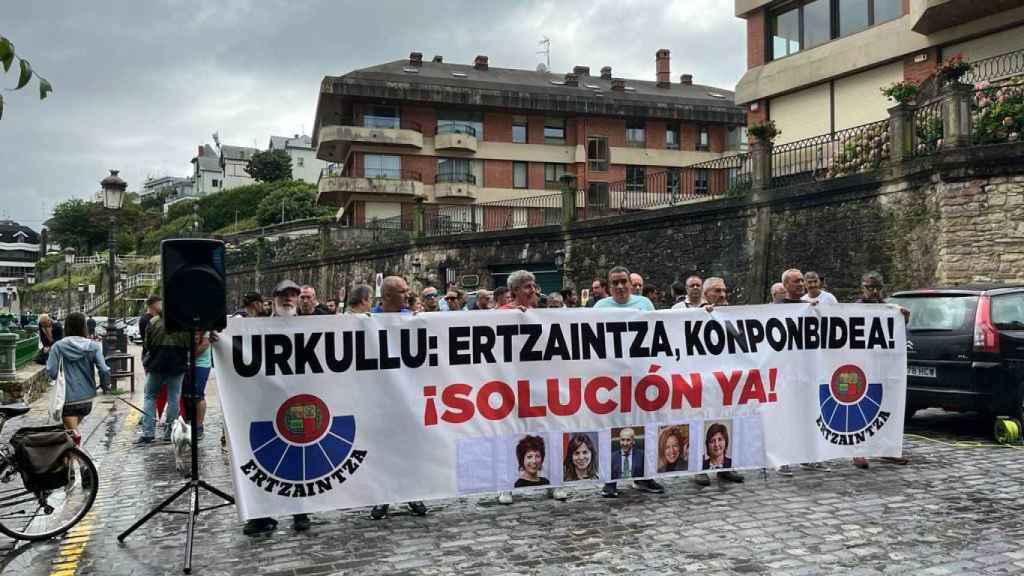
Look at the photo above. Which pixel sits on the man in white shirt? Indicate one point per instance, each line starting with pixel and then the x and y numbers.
pixel 814 284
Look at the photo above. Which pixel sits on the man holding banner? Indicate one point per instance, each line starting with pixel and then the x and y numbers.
pixel 346 411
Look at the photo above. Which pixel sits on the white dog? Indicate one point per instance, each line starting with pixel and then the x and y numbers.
pixel 181 439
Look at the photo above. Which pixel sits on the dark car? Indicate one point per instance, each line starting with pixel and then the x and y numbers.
pixel 965 349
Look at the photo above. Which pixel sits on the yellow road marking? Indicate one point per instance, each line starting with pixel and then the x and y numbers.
pixel 73 544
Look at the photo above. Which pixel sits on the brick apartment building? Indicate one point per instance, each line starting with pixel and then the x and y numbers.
pixel 817 66
pixel 470 134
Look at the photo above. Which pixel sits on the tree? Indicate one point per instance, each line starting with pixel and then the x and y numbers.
pixel 270 166
pixel 79 224
pixel 291 201
pixel 25 71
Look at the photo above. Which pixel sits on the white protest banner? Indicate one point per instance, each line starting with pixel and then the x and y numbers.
pixel 328 412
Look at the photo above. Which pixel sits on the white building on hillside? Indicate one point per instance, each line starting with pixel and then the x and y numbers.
pixel 233 160
pixel 207 175
pixel 174 186
pixel 305 165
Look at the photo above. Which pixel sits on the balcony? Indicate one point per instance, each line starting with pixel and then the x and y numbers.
pixel 336 189
pixel 455 136
pixel 336 140
pixel 454 187
pixel 942 14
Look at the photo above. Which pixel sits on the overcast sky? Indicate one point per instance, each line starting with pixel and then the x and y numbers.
pixel 138 85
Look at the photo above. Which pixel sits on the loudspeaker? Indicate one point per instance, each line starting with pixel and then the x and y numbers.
pixel 194 284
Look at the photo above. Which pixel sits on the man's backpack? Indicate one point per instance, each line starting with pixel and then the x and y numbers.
pixel 39 454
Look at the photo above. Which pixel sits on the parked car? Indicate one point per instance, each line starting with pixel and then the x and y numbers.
pixel 965 349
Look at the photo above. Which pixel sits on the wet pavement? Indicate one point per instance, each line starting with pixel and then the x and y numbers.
pixel 958 508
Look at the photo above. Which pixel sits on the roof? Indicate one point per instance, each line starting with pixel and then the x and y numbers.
pixel 208 161
pixel 529 91
pixel 9 233
pixel 975 288
pixel 285 142
pixel 440 74
pixel 237 152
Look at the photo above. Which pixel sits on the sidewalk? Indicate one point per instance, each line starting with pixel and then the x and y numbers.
pixel 953 510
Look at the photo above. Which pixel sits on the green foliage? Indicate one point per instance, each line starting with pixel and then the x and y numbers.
pixel 764 131
pixel 86 225
pixel 998 111
pixel 241 226
pixel 270 166
pixel 181 209
pixel 298 200
pixel 863 151
pixel 182 227
pixel 25 71
pixel 953 69
pixel 221 209
pixel 902 92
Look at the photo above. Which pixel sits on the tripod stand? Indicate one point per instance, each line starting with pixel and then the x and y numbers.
pixel 194 483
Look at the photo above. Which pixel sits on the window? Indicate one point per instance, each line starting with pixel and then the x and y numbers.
pixel 635 179
pixel 885 10
pixel 817 23
pixel 454 170
pixel 519 129
pixel 460 122
pixel 520 176
pixel 215 183
pixel 382 166
pixel 703 139
pixel 299 161
pixel 597 195
pixel 853 16
pixel 635 133
pixel 786 33
pixel 597 153
pixel 553 174
pixel 736 139
pixel 382 117
pixel 672 138
pixel 672 181
pixel 700 184
pixel 554 130
pixel 1008 311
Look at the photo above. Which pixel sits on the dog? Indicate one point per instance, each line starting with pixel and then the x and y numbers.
pixel 181 439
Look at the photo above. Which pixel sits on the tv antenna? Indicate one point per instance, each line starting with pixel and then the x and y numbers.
pixel 546 43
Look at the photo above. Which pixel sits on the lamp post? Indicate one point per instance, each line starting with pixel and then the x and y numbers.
pixel 113 196
pixel 69 260
pixel 123 277
pixel 81 297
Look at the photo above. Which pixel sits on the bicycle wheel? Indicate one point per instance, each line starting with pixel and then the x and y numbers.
pixel 28 515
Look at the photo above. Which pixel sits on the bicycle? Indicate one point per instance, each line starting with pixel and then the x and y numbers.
pixel 43 514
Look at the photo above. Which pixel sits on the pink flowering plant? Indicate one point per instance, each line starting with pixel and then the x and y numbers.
pixel 902 92
pixel 998 111
pixel 953 69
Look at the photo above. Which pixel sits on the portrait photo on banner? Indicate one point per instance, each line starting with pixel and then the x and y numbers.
pixel 627 452
pixel 531 461
pixel 717 448
pixel 581 460
pixel 673 448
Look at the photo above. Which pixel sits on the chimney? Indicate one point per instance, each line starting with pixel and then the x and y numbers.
pixel 572 79
pixel 480 62
pixel 438 58
pixel 618 85
pixel 200 150
pixel 662 67
pixel 606 73
pixel 581 70
pixel 416 59
pixel 686 79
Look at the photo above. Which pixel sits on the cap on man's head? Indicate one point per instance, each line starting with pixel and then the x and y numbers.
pixel 285 285
pixel 251 297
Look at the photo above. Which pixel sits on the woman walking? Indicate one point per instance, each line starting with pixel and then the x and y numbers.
pixel 77 356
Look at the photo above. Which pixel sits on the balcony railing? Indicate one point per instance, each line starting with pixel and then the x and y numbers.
pixel 927 128
pixel 455 128
pixel 854 150
pixel 454 177
pixel 385 122
pixel 996 67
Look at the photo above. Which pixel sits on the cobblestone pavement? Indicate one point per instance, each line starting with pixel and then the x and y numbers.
pixel 956 509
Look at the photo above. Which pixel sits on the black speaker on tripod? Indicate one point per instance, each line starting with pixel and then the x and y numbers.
pixel 194 299
pixel 194 284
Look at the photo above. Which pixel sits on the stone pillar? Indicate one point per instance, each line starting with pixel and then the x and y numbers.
pixel 8 344
pixel 901 132
pixel 568 199
pixel 956 115
pixel 419 219
pixel 761 168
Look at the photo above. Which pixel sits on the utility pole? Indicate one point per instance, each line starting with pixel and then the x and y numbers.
pixel 282 210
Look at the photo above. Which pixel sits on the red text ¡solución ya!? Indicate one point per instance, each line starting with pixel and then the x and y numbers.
pixel 496 399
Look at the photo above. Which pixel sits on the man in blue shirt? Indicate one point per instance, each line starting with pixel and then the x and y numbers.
pixel 622 297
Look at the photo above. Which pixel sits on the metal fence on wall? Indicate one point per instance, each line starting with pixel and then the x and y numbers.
pixel 854 150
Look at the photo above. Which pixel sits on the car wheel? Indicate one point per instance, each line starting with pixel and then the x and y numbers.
pixel 909 412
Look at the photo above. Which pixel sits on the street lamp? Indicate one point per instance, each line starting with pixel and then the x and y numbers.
pixel 124 297
pixel 69 261
pixel 81 298
pixel 113 196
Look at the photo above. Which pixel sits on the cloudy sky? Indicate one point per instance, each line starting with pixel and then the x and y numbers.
pixel 139 84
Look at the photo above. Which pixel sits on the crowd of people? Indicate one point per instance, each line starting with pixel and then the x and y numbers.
pixel 621 288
